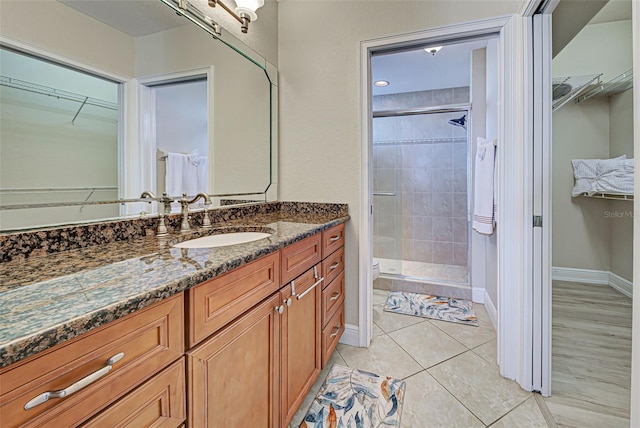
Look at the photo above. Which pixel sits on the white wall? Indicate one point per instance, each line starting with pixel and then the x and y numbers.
pixel 318 55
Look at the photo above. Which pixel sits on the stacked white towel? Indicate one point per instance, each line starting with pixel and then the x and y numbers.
pixel 484 201
pixel 603 176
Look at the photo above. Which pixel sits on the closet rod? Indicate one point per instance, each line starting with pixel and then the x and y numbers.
pixel 452 108
pixel 56 93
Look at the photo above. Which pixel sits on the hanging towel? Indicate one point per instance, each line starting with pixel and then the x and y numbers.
pixel 174 173
pixel 484 208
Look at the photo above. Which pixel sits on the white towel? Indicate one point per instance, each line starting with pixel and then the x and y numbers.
pixel 173 175
pixel 186 173
pixel 483 209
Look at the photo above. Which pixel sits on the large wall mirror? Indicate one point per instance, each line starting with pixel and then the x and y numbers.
pixel 102 100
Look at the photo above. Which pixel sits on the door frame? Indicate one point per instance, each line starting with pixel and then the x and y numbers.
pixel 514 169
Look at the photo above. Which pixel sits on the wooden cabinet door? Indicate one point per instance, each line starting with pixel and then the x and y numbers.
pixel 233 376
pixel 301 341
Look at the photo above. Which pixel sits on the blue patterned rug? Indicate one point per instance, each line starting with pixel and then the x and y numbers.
pixel 436 307
pixel 352 398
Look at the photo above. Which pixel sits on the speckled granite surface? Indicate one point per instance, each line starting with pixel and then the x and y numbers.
pixel 49 298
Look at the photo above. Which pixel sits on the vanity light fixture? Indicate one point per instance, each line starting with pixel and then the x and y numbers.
pixel 244 13
pixel 433 49
pixel 381 83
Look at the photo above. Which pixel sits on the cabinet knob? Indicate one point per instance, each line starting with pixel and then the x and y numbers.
pixel 289 301
pixel 280 309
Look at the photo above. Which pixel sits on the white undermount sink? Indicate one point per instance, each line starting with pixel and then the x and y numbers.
pixel 222 240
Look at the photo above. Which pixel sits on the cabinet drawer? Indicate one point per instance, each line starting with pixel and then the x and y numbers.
pixel 160 401
pixel 298 257
pixel 332 239
pixel 216 302
pixel 331 335
pixel 332 266
pixel 150 339
pixel 332 298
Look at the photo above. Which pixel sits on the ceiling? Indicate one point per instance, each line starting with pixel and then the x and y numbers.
pixel 417 70
pixel 614 10
pixel 135 18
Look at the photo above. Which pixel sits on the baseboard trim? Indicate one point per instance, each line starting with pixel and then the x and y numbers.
pixel 351 335
pixel 589 276
pixel 622 285
pixel 477 295
pixel 491 310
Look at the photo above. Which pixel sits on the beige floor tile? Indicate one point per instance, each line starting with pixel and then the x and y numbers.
pixel 469 336
pixel 479 386
pixel 526 415
pixel 428 404
pixel 389 321
pixel 488 351
pixel 383 357
pixel 302 411
pixel 377 331
pixel 380 297
pixel 427 344
pixel 566 415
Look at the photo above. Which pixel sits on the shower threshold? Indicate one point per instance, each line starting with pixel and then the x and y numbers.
pixel 423 271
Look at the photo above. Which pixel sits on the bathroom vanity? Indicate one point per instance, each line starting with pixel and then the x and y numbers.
pixel 139 332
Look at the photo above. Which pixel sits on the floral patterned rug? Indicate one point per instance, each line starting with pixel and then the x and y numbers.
pixel 436 307
pixel 352 398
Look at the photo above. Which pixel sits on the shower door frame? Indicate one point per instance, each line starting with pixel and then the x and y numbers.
pixel 448 108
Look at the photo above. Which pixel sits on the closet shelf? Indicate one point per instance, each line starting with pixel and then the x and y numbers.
pixel 615 86
pixel 56 93
pixel 567 88
pixel 611 196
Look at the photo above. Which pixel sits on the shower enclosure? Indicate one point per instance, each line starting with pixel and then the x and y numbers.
pixel 421 169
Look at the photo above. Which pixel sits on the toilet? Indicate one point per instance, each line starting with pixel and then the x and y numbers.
pixel 376 269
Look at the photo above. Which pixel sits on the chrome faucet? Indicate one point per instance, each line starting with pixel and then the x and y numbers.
pixel 184 203
pixel 162 227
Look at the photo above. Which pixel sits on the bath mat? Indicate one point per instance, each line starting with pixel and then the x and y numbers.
pixel 436 307
pixel 352 398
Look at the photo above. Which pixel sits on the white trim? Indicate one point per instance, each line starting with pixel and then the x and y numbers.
pixel 587 276
pixel 622 285
pixel 501 25
pixel 478 295
pixel 351 335
pixel 591 276
pixel 635 356
pixel 514 304
pixel 491 310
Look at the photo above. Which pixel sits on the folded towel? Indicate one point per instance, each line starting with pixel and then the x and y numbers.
pixel 483 209
pixel 602 176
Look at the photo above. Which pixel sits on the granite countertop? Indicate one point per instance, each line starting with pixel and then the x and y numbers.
pixel 48 299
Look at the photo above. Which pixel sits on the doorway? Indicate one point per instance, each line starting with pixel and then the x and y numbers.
pixel 586 251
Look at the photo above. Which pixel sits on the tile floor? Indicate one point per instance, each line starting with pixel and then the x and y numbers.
pixel 455 382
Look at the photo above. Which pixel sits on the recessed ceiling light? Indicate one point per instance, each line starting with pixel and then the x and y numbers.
pixel 433 49
pixel 381 83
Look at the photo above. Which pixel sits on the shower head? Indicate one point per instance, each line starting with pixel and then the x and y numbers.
pixel 459 122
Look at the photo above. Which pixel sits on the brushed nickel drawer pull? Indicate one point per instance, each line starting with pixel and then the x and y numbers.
pixel 73 388
pixel 334 238
pixel 334 266
pixel 335 296
pixel 315 284
pixel 280 309
pixel 288 302
pixel 336 333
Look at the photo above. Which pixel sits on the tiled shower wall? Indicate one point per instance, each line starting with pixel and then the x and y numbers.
pixel 422 160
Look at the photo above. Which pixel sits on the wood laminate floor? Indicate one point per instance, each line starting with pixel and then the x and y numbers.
pixel 591 363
